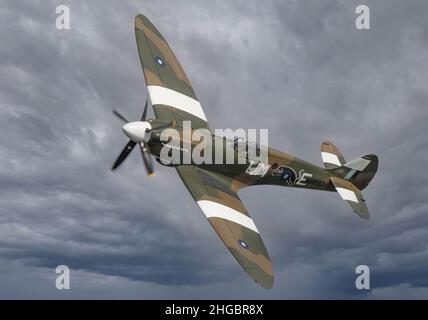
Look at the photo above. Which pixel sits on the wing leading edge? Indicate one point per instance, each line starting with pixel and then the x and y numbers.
pixel 229 218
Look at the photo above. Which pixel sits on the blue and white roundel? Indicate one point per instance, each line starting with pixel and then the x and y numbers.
pixel 243 244
pixel 160 62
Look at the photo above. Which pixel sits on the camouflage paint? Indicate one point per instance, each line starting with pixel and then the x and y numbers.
pixel 220 183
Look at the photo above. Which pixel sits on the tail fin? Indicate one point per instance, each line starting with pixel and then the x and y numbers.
pixel 331 156
pixel 359 171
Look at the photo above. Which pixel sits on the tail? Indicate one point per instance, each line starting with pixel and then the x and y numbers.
pixel 349 178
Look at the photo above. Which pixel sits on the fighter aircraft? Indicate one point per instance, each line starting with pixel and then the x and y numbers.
pixel 215 187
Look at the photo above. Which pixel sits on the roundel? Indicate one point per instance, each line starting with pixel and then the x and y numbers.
pixel 160 61
pixel 243 244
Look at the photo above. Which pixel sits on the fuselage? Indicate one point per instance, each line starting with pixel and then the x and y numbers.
pixel 280 168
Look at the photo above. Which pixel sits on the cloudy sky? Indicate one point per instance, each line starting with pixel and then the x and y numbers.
pixel 299 68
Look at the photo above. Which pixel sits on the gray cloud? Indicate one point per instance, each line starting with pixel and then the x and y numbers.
pixel 299 68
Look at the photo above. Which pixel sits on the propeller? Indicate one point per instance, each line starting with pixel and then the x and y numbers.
pixel 139 133
pixel 147 158
pixel 117 114
pixel 127 150
pixel 144 115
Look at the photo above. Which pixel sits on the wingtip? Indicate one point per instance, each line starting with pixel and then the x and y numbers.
pixel 139 16
pixel 262 278
pixel 266 283
pixel 139 21
pixel 363 214
pixel 365 217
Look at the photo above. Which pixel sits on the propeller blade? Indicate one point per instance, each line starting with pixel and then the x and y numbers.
pixel 144 116
pixel 117 114
pixel 147 158
pixel 128 148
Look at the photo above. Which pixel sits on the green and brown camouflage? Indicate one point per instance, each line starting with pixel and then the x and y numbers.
pixel 353 172
pixel 215 186
pixel 152 46
pixel 331 155
pixel 205 185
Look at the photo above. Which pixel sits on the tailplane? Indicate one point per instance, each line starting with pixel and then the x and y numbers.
pixel 349 178
pixel 331 156
pixel 352 196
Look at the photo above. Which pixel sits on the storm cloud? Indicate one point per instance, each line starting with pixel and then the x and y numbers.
pixel 299 68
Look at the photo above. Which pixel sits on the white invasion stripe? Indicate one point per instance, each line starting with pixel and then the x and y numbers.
pixel 165 96
pixel 328 157
pixel 213 209
pixel 347 194
pixel 358 164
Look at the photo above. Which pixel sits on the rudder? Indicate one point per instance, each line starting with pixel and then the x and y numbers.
pixel 361 171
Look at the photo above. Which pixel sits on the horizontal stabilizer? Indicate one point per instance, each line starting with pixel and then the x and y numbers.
pixel 351 195
pixel 331 156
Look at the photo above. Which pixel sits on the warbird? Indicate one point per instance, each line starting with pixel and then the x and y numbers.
pixel 215 187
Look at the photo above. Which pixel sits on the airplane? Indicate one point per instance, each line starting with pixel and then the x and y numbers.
pixel 215 187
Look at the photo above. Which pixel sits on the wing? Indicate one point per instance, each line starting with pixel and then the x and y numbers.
pixel 229 218
pixel 170 91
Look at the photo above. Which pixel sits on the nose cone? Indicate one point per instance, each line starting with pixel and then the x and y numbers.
pixel 137 131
